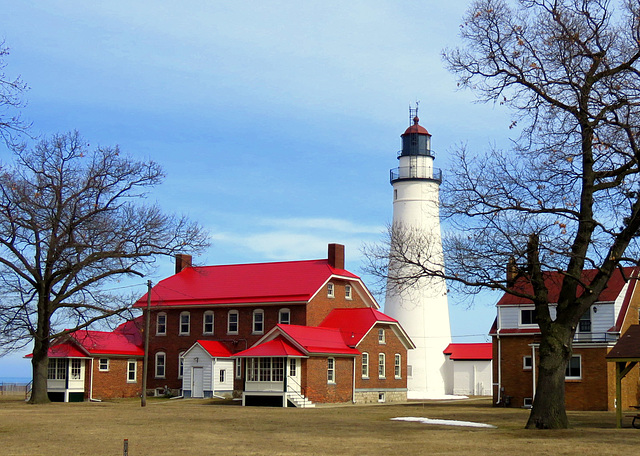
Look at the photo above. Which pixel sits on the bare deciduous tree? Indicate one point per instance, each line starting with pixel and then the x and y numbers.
pixel 564 198
pixel 11 89
pixel 71 222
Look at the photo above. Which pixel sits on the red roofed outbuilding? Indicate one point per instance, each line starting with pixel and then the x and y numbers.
pixel 470 368
pixel 88 365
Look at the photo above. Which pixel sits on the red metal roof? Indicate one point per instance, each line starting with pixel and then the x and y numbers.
pixel 278 347
pixel 318 340
pixel 354 324
pixel 215 348
pixel 107 343
pixel 291 281
pixel 461 352
pixel 553 281
pixel 64 350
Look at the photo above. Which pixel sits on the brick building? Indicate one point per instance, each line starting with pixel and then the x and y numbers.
pixel 590 380
pixel 355 355
pixel 88 365
pixel 247 305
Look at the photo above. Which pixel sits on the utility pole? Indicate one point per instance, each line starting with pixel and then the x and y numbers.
pixel 145 363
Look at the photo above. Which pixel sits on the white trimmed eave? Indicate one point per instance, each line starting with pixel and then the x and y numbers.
pixel 367 296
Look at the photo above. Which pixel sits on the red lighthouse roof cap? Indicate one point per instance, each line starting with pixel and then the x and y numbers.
pixel 416 128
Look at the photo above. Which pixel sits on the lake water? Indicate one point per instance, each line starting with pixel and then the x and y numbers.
pixel 15 379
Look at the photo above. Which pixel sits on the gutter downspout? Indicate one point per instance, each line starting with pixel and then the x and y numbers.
pixel 91 399
pixel 533 368
pixel 353 387
pixel 499 327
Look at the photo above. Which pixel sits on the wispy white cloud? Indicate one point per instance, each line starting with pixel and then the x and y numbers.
pixel 297 238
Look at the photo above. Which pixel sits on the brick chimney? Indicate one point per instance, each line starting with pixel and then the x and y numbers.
pixel 336 256
pixel 512 271
pixel 182 261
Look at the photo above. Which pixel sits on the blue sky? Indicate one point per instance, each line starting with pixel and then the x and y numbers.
pixel 276 121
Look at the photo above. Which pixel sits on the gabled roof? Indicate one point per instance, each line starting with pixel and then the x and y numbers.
pixel 355 324
pixel 468 352
pixel 125 340
pixel 213 347
pixel 278 347
pixel 107 343
pixel 628 346
pixel 553 281
pixel 281 282
pixel 314 340
pixel 65 350
pixel 306 340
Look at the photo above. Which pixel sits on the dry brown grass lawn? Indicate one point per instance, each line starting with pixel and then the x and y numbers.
pixel 203 427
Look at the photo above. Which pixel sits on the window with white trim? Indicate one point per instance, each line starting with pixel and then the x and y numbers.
pixel 232 322
pixel 258 321
pixel 265 369
pixel 365 365
pixel 207 322
pixel 381 366
pixel 238 368
pixel 181 364
pixel 527 363
pixel 76 369
pixel 381 336
pixel 528 317
pixel 397 366
pixel 331 370
pixel 57 369
pixel 347 292
pixel 574 368
pixel 132 368
pixel 185 323
pixel 161 359
pixel 103 364
pixel 330 291
pixel 292 367
pixel 161 324
pixel 284 317
pixel 222 375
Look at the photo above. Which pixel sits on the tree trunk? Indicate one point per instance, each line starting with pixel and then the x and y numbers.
pixel 40 360
pixel 39 368
pixel 548 411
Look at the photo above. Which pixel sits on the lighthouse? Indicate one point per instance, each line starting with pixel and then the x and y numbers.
pixel 420 306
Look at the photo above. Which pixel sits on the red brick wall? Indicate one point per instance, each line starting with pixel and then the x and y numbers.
pixel 321 305
pixel 315 383
pixel 594 391
pixel 391 346
pixel 113 383
pixel 172 343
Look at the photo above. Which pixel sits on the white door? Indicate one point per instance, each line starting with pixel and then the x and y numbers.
pixel 197 389
pixel 293 374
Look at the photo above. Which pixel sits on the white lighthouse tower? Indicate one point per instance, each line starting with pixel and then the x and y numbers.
pixel 421 307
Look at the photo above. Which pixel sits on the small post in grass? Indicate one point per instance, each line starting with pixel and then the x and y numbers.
pixel 125 450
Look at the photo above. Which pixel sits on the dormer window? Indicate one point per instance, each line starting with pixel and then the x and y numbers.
pixel 528 317
pixel 284 317
pixel 330 290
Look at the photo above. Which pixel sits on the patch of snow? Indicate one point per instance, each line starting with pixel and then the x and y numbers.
pixel 443 422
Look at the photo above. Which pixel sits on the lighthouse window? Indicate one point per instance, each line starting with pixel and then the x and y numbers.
pixel 395 193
